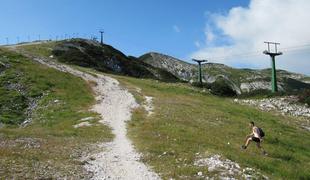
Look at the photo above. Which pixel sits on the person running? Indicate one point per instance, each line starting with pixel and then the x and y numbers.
pixel 256 136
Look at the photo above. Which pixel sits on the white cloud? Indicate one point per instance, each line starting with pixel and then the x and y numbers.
pixel 244 29
pixel 197 44
pixel 176 28
pixel 210 36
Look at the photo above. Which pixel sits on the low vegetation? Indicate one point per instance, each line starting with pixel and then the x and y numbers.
pixel 187 123
pixel 262 93
pixel 304 97
pixel 220 87
pixel 48 146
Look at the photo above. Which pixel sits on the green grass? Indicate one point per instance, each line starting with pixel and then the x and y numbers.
pixel 187 122
pixel 44 49
pixel 306 79
pixel 60 145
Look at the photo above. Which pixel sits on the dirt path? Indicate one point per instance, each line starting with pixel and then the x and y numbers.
pixel 117 159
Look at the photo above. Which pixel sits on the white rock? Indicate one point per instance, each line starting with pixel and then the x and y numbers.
pixel 82 124
pixel 225 167
pixel 87 119
pixel 148 105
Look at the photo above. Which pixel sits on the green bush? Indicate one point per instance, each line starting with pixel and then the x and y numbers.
pixel 203 85
pixel 304 96
pixel 221 88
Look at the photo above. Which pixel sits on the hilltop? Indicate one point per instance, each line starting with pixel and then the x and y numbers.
pixel 105 58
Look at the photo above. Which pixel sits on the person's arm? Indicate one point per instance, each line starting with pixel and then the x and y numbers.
pixel 248 136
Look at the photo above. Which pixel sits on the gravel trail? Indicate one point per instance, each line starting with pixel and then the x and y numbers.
pixel 117 159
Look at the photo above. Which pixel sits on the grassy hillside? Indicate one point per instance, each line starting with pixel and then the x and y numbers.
pixel 187 122
pixel 49 146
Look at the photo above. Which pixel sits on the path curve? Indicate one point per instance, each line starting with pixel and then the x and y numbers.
pixel 117 159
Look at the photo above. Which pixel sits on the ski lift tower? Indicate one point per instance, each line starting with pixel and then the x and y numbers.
pixel 199 69
pixel 101 31
pixel 273 54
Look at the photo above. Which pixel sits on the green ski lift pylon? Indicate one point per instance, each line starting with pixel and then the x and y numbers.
pixel 199 69
pixel 274 86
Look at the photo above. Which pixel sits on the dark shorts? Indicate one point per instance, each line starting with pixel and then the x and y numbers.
pixel 255 139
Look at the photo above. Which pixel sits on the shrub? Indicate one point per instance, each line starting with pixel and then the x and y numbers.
pixel 221 88
pixel 203 85
pixel 304 96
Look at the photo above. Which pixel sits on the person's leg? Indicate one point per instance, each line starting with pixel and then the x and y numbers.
pixel 246 139
pixel 258 144
pixel 247 142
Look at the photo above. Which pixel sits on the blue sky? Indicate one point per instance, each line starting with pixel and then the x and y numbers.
pixel 133 26
pixel 180 28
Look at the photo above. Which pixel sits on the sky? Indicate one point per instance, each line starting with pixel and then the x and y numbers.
pixel 223 31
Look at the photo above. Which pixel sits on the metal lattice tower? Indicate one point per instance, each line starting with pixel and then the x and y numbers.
pixel 272 55
pixel 199 69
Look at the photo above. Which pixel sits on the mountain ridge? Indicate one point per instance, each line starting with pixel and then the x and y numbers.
pixel 154 65
pixel 106 58
pixel 241 80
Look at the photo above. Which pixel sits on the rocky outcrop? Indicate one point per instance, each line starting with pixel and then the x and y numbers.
pixel 180 69
pixel 285 105
pixel 251 86
pixel 225 168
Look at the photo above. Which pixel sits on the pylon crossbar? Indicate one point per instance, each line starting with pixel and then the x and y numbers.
pixel 272 54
